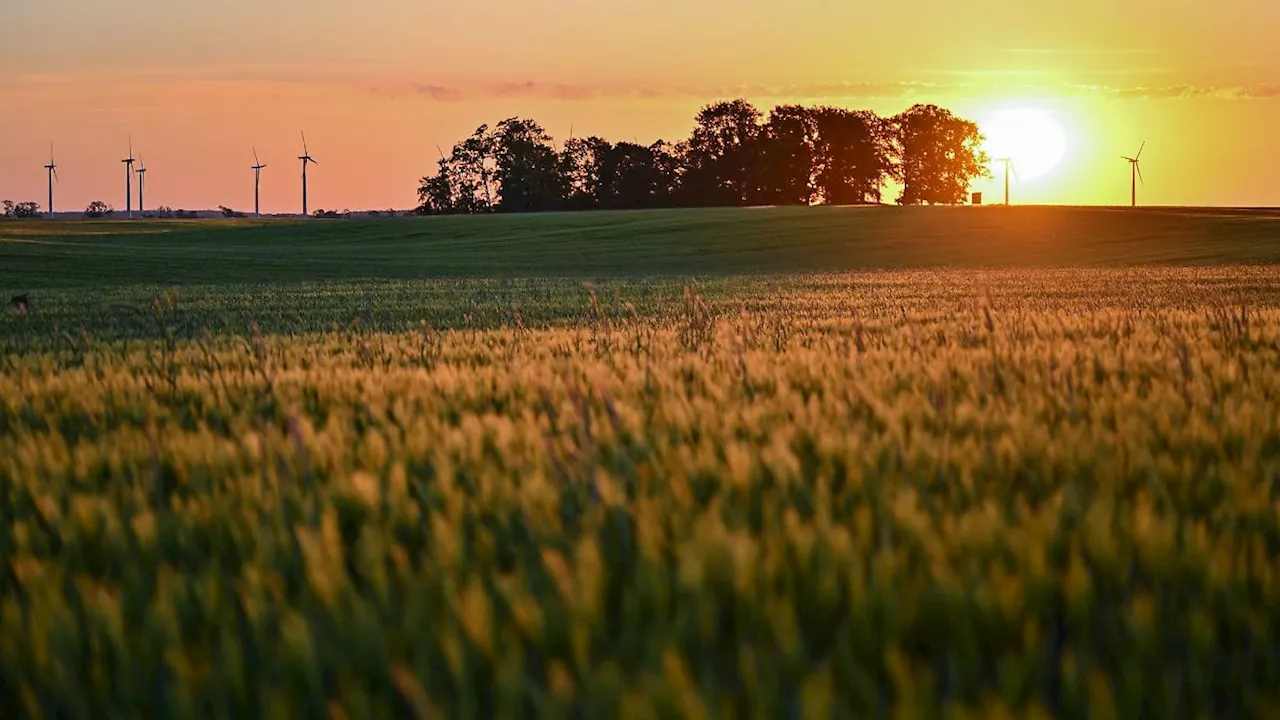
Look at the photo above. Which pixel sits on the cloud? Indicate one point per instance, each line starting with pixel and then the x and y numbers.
pixel 1183 92
pixel 949 85
pixel 584 92
pixel 1080 51
pixel 846 90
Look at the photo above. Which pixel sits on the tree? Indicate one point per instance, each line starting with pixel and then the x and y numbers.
pixel 853 155
pixel 722 158
pixel 98 209
pixel 465 181
pixel 789 156
pixel 940 154
pixel 635 176
pixel 21 210
pixel 583 160
pixel 530 173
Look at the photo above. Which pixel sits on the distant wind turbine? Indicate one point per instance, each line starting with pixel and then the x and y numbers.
pixel 257 175
pixel 141 172
pixel 306 159
pixel 1135 174
pixel 1008 165
pixel 52 171
pixel 128 180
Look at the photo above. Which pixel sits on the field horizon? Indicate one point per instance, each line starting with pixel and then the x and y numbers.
pixel 44 254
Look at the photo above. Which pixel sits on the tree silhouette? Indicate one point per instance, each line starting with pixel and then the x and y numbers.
pixel 854 155
pixel 635 176
pixel 21 210
pixel 722 158
pixel 530 175
pixel 940 155
pixel 98 209
pixel 584 162
pixel 790 156
pixel 465 181
pixel 799 156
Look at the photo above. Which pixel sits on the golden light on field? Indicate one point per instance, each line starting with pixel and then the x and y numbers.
pixel 1032 138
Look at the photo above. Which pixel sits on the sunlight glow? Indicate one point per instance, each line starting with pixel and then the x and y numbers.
pixel 1033 138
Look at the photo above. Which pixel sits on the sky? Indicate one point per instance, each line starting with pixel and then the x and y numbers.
pixel 377 85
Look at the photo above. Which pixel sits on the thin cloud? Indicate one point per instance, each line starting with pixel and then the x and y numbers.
pixel 848 90
pixel 1079 51
pixel 1184 92
pixel 388 86
pixel 580 93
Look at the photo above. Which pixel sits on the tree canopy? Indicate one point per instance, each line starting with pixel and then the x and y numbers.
pixel 734 156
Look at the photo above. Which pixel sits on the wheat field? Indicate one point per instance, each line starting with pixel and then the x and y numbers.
pixel 910 494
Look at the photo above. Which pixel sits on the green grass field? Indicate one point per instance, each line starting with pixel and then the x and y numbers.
pixel 862 463
pixel 41 255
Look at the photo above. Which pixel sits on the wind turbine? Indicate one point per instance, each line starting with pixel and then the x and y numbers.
pixel 257 174
pixel 52 171
pixel 306 159
pixel 1008 165
pixel 128 180
pixel 141 172
pixel 1135 174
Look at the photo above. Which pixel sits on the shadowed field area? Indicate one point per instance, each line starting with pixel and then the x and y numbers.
pixel 47 254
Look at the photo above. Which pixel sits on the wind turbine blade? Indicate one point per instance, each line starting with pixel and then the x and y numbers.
pixel 256 161
pixel 304 144
pixel 1138 167
pixel 1139 155
pixel 55 174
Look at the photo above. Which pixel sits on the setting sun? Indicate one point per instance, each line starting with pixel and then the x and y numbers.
pixel 1033 139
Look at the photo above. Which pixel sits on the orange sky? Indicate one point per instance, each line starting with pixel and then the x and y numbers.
pixel 378 84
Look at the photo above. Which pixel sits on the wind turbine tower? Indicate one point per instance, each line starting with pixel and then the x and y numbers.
pixel 1008 165
pixel 1135 174
pixel 141 172
pixel 52 171
pixel 128 180
pixel 257 176
pixel 306 159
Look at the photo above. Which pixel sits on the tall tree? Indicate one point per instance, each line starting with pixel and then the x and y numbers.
pixel 465 181
pixel 940 155
pixel 530 172
pixel 722 157
pixel 853 155
pixel 789 156
pixel 583 160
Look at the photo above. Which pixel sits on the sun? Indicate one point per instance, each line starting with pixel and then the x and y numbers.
pixel 1032 138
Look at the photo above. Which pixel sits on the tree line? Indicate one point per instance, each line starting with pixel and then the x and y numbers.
pixel 735 156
